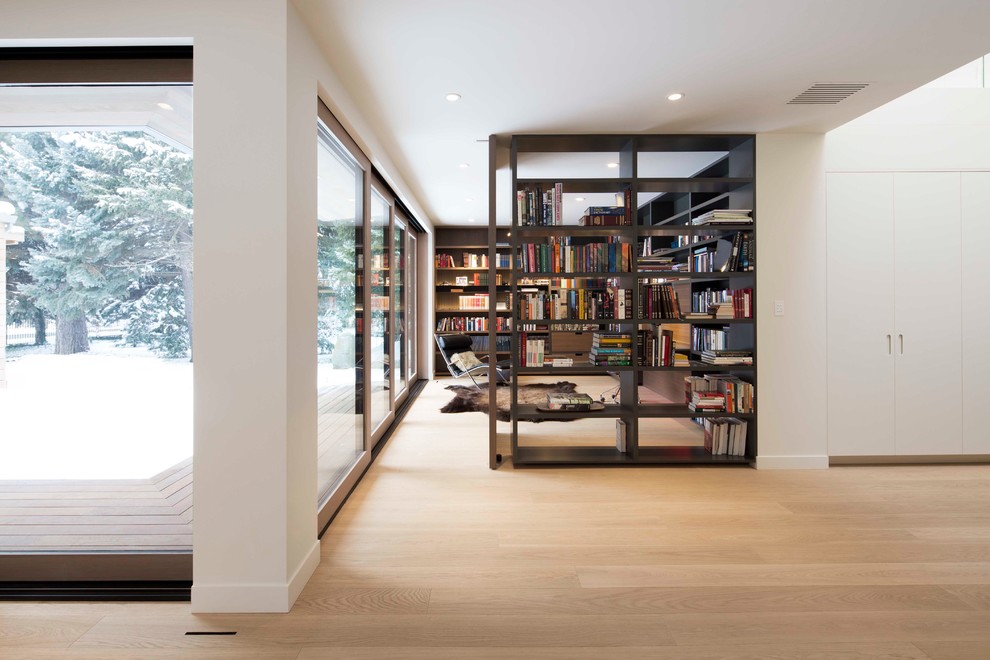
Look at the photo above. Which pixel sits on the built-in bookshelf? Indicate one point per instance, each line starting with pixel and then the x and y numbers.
pixel 652 267
pixel 461 290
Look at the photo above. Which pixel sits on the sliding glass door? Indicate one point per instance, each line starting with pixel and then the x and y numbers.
pixel 379 366
pixel 399 297
pixel 340 229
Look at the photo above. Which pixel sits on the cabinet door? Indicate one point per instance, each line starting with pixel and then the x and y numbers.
pixel 928 313
pixel 975 199
pixel 860 235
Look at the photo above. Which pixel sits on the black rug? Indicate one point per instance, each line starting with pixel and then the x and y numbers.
pixel 467 398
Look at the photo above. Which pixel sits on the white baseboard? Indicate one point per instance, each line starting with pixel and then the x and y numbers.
pixel 243 598
pixel 792 462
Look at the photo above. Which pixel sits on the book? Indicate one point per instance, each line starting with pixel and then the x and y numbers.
pixel 620 435
pixel 576 401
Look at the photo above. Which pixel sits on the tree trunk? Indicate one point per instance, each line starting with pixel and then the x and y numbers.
pixel 187 293
pixel 71 335
pixel 40 329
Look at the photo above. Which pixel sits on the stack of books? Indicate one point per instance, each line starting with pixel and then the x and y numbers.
pixel 576 401
pixel 734 395
pixel 724 217
pixel 611 349
pixel 655 263
pixel 702 401
pixel 725 356
pixel 604 216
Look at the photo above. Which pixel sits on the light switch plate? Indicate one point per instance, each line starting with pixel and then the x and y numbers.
pixel 778 307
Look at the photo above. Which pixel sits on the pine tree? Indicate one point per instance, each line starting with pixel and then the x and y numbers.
pixel 112 217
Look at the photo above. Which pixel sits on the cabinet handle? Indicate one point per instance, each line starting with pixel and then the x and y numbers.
pixel 901 338
pixel 889 347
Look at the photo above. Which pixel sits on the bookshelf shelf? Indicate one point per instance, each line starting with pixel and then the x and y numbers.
pixel 661 204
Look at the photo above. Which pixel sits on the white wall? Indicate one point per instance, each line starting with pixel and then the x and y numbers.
pixel 929 129
pixel 257 74
pixel 790 266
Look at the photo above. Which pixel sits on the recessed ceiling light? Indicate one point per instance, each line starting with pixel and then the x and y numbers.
pixel 453 96
pixel 579 199
pixel 611 165
pixel 464 166
pixel 165 106
pixel 676 96
pixel 469 199
pixel 470 219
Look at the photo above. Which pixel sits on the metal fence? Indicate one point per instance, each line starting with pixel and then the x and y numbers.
pixel 23 335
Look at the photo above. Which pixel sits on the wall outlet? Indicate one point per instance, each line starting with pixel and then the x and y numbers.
pixel 778 307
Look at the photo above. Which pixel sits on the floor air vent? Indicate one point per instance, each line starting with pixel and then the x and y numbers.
pixel 826 93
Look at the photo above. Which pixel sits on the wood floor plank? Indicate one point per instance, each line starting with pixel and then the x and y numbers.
pixel 321 600
pixel 712 599
pixel 884 552
pixel 466 630
pixel 977 595
pixel 48 632
pixel 786 575
pixel 955 650
pixel 822 627
pixel 866 651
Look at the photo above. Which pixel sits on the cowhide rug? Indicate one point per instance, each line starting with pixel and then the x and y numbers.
pixel 469 399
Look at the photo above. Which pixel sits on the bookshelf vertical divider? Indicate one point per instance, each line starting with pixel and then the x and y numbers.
pixel 671 187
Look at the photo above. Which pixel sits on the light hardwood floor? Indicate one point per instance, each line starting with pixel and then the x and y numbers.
pixel 437 557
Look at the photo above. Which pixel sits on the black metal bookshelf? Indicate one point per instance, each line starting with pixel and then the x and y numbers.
pixel 663 207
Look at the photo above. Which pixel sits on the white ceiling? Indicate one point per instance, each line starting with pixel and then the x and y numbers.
pixel 587 66
pixel 102 106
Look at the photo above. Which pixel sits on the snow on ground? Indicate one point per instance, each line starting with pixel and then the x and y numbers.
pixel 112 413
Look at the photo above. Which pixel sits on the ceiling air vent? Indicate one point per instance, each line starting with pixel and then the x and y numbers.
pixel 826 93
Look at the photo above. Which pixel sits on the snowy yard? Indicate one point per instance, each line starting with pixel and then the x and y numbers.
pixel 112 413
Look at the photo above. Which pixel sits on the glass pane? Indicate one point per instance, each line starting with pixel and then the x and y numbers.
pixel 381 401
pixel 340 425
pixel 96 281
pixel 411 305
pixel 398 277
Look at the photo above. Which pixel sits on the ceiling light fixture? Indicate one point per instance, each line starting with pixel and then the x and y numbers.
pixel 676 96
pixel 611 165
pixel 469 199
pixel 470 219
pixel 579 199
pixel 453 96
pixel 464 166
pixel 165 106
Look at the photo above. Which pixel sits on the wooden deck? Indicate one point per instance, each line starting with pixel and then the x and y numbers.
pixel 339 429
pixel 93 516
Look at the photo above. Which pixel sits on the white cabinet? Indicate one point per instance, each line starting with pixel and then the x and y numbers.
pixel 860 329
pixel 975 199
pixel 895 339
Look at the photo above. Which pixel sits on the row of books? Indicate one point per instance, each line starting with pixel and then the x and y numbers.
pixel 743 253
pixel 467 260
pixel 722 304
pixel 718 393
pixel 725 436
pixel 503 344
pixel 589 304
pixel 724 217
pixel 472 324
pixel 539 207
pixel 559 255
pixel 533 348
pixel 657 349
pixel 704 339
pixel 611 349
pixel 658 301
pixel 477 301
